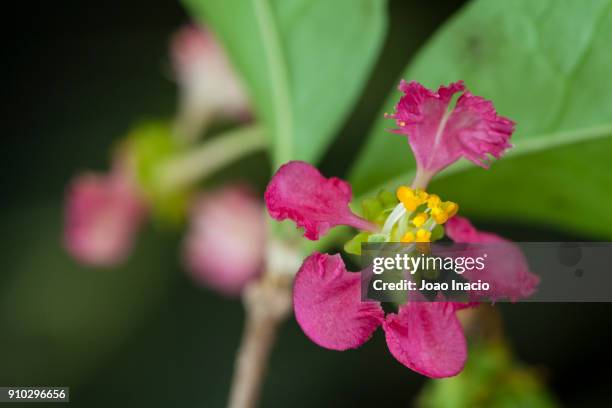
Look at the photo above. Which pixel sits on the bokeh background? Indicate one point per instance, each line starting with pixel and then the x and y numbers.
pixel 78 75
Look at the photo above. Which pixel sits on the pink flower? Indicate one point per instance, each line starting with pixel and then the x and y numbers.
pixel 506 269
pixel 103 214
pixel 225 244
pixel 440 133
pixel 299 192
pixel 208 84
pixel 425 337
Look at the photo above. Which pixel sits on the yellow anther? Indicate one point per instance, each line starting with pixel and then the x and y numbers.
pixel 411 198
pixel 423 235
pixel 450 208
pixel 439 216
pixel 407 197
pixel 404 192
pixel 408 237
pixel 444 211
pixel 433 201
pixel 401 123
pixel 419 219
pixel 422 195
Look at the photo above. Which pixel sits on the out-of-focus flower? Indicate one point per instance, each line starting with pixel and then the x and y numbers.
pixel 225 244
pixel 102 216
pixel 440 133
pixel 208 85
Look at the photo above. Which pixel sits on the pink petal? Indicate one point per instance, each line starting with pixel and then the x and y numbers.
pixel 480 130
pixel 427 338
pixel 103 213
pixel 328 306
pixel 225 243
pixel 506 268
pixel 439 136
pixel 299 192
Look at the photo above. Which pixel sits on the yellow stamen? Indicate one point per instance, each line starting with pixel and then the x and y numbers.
pixel 419 219
pixel 423 235
pixel 439 216
pixel 433 201
pixel 451 209
pixel 411 198
pixel 408 237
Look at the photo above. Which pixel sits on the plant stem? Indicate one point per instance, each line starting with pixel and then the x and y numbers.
pixel 267 303
pixel 210 156
pixel 421 179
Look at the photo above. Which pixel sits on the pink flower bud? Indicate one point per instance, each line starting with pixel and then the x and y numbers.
pixel 225 244
pixel 102 216
pixel 209 87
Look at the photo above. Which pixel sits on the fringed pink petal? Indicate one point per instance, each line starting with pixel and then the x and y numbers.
pixel 440 133
pixel 427 338
pixel 480 130
pixel 299 192
pixel 328 306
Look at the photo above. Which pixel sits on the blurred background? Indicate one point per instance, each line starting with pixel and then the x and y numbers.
pixel 144 334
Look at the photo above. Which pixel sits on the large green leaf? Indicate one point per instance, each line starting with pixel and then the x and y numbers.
pixel 304 62
pixel 545 64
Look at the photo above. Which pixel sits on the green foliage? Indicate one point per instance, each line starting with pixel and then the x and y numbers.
pixel 544 64
pixel 304 62
pixel 490 379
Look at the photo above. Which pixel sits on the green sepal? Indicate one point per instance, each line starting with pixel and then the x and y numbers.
pixel 372 208
pixel 354 245
pixel 377 238
pixel 376 209
pixel 437 233
pixel 387 198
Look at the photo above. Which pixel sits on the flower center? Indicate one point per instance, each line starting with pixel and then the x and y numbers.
pixel 411 215
pixel 417 215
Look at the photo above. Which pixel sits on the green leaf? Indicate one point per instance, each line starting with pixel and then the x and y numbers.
pixel 545 65
pixel 303 61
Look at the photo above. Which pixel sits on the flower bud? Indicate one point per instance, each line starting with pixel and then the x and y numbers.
pixel 225 244
pixel 208 86
pixel 102 216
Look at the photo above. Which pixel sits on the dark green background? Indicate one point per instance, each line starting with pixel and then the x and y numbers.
pixel 79 74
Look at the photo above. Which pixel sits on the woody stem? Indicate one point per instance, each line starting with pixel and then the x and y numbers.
pixel 267 303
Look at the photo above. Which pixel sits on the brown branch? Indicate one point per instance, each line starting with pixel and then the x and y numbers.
pixel 267 303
